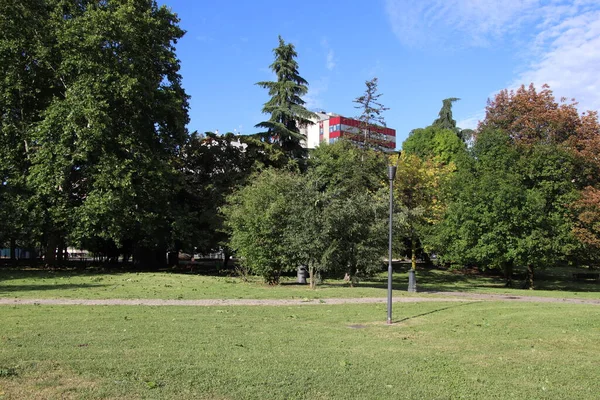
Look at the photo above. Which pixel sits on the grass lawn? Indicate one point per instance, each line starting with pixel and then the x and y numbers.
pixel 478 350
pixel 34 283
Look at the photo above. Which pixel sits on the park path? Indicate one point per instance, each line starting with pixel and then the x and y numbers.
pixel 447 297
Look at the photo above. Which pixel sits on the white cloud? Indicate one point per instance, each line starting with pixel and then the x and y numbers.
pixel 330 60
pixel 471 121
pixel 330 55
pixel 558 40
pixel 315 90
pixel 469 22
pixel 568 59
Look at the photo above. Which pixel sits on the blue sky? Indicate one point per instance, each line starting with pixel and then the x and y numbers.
pixel 421 52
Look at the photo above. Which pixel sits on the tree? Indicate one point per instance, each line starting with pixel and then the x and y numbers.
pixel 351 181
pixel 98 111
pixel 533 119
pixel 586 209
pixel 259 219
pixel 418 193
pixel 371 110
pixel 509 206
pixel 445 120
pixel 329 219
pixel 442 140
pixel 587 222
pixel 26 87
pixel 441 145
pixel 286 107
pixel 213 167
pixel 529 116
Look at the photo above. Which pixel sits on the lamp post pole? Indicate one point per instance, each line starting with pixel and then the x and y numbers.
pixel 391 176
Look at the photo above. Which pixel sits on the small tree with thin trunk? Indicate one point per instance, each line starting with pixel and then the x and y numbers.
pixel 371 110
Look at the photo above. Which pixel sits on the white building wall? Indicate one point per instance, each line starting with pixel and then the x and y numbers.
pixel 317 132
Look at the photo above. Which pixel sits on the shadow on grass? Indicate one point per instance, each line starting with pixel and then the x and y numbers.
pixel 4 290
pixel 435 311
pixel 7 274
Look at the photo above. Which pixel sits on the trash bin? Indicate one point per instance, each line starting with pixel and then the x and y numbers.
pixel 302 274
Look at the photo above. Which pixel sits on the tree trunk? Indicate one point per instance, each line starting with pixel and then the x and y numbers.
pixel 353 277
pixel 173 258
pixel 311 276
pixel 413 258
pixel 226 257
pixel 13 250
pixel 507 268
pixel 60 256
pixel 51 246
pixel 530 277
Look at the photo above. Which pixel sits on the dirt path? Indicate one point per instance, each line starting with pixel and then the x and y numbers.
pixel 448 297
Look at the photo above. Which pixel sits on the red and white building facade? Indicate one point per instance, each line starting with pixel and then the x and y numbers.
pixel 331 127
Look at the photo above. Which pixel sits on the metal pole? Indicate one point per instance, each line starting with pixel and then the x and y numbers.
pixel 391 175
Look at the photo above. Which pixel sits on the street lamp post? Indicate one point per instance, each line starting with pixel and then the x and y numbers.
pixel 391 176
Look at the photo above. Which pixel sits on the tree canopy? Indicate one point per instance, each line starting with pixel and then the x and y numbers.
pixel 100 117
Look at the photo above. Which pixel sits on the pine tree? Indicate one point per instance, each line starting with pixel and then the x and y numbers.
pixel 286 106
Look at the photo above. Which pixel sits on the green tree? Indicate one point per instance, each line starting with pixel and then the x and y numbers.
pixel 98 112
pixel 329 219
pixel 213 167
pixel 446 121
pixel 259 219
pixel 351 181
pixel 436 143
pixel 26 88
pixel 509 206
pixel 371 111
pixel 419 195
pixel 442 140
pixel 286 107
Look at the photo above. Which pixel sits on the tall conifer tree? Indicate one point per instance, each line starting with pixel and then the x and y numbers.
pixel 286 106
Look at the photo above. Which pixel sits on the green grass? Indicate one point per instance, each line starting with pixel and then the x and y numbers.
pixel 478 350
pixel 32 283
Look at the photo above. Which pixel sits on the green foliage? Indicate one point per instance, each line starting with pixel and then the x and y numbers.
pixel 433 142
pixel 97 118
pixel 509 206
pixel 343 168
pixel 213 167
pixel 351 181
pixel 355 231
pixel 329 219
pixel 259 220
pixel 25 89
pixel 286 107
pixel 419 193
pixel 445 120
